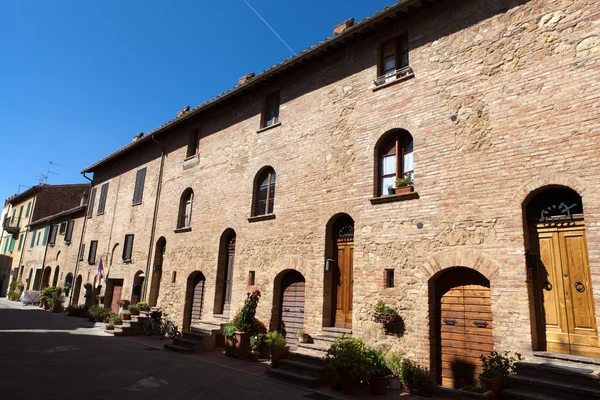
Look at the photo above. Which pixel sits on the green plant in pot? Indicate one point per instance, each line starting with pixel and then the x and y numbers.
pixel 384 313
pixel 394 364
pixel 56 302
pixel 475 392
pixel 377 372
pixel 244 322
pixel 256 341
pixel 143 306
pixel 416 379
pixel 230 339
pixel 96 313
pixel 279 350
pixel 134 309
pixel 110 327
pixel 13 293
pixel 47 296
pixel 346 363
pixel 302 336
pixel 495 367
pixel 126 316
pixel 115 319
pixel 405 185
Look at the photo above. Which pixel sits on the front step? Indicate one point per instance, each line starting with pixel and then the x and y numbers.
pixel 300 368
pixel 313 349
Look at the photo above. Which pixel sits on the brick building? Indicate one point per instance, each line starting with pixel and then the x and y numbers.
pixel 491 107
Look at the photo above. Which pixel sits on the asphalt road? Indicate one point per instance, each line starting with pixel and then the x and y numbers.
pixel 49 356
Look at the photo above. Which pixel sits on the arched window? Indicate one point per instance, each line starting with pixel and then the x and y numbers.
pixel 185 209
pixel 264 192
pixel 394 159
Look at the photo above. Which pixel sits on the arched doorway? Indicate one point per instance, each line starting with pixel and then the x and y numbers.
pixel 225 272
pixel 159 254
pixel 46 277
pixel 194 296
pixel 68 284
pixel 561 285
pixel 462 317
pixel 76 290
pixel 338 279
pixel 288 304
pixel 29 276
pixel 55 279
pixel 136 289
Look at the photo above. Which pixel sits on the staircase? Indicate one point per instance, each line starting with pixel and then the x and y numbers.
pixel 301 369
pixel 202 336
pixel 549 376
pixel 131 327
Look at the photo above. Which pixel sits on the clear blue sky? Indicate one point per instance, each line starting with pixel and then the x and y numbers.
pixel 79 78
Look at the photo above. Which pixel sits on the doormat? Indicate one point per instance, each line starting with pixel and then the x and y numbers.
pixel 318 396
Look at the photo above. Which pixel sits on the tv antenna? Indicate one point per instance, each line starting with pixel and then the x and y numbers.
pixel 43 178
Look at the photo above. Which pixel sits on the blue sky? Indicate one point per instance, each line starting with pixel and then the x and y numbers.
pixel 78 79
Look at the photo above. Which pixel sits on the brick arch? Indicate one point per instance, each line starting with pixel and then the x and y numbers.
pixel 549 179
pixel 457 258
pixel 285 263
pixel 397 123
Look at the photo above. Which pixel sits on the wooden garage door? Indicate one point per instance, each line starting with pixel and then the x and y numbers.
pixel 466 333
pixel 197 300
pixel 292 310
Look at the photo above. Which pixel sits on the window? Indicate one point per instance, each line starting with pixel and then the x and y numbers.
pixel 128 248
pixel 52 236
pixel 20 215
pixel 63 228
pixel 393 55
pixel 102 202
pixel 389 278
pixel 264 192
pixel 32 243
pixel 193 144
pixel 138 191
pixel 173 276
pixel 394 160
pixel 27 210
pixel 12 219
pixel 185 209
pixel 46 231
pixel 69 231
pixel 20 242
pixel 81 252
pixel 11 245
pixel 90 209
pixel 252 278
pixel 92 253
pixel 271 110
pixel 6 244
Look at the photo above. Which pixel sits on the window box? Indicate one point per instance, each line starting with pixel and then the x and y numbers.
pixel 261 217
pixel 404 189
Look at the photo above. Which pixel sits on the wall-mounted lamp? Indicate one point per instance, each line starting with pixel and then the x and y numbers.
pixel 329 263
pixel 530 260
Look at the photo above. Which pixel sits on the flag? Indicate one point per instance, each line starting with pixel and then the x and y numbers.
pixel 99 273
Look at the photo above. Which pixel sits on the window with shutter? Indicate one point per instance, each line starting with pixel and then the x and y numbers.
pixel 27 210
pixel 90 209
pixel 11 245
pixel 81 252
pixel 62 228
pixel 128 248
pixel 138 191
pixel 6 244
pixel 52 236
pixel 32 239
pixel 20 214
pixel 69 231
pixel 45 239
pixel 20 241
pixel 102 202
pixel 92 253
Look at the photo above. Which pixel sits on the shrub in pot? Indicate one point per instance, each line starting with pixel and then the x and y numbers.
pixel 416 379
pixel 279 350
pixel 346 363
pixel 134 309
pixel 230 339
pixel 256 342
pixel 394 364
pixel 404 185
pixel 377 372
pixel 244 322
pixel 110 327
pixel 126 316
pixel 383 313
pixel 115 319
pixel 96 313
pixel 57 302
pixel 143 306
pixel 474 392
pixel 47 296
pixel 495 367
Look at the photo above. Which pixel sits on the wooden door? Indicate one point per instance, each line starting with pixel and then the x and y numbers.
pixel 76 291
pixel 565 290
pixel 292 308
pixel 198 296
pixel 466 333
pixel 345 280
pixel 116 296
pixel 228 277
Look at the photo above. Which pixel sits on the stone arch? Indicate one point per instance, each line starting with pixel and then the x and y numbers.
pixel 194 300
pixel 112 253
pixel 157 270
pixel 136 288
pixel 391 125
pixel 545 180
pixel 76 290
pixel 225 267
pixel 457 257
pixel 55 279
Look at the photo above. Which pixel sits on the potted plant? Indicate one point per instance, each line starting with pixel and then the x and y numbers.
pixel 279 350
pixel 134 309
pixel 383 313
pixel 495 367
pixel 123 303
pixel 126 316
pixel 110 327
pixel 394 364
pixel 244 323
pixel 57 302
pixel 230 339
pixel 256 342
pixel 143 306
pixel 115 319
pixel 391 190
pixel 377 372
pixel 404 185
pixel 346 363
pixel 416 379
pixel 95 313
pixel 302 336
pixel 473 392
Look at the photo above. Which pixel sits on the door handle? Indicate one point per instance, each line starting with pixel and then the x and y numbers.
pixel 480 324
pixel 450 321
pixel 286 309
pixel 580 287
pixel 547 286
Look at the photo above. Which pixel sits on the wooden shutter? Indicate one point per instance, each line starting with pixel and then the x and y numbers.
pixel 52 238
pixel 92 253
pixel 138 192
pixel 128 248
pixel 69 232
pixel 81 252
pixel 45 239
pixel 90 209
pixel 102 202
pixel 28 209
pixel 32 239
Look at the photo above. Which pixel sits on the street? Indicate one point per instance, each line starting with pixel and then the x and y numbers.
pixel 52 356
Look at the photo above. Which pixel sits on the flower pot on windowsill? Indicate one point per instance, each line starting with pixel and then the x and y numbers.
pixel 492 384
pixel 404 189
pixel 391 191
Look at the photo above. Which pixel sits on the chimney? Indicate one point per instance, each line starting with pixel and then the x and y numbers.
pixel 137 137
pixel 246 78
pixel 339 28
pixel 183 111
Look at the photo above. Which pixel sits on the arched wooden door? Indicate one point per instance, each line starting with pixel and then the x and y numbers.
pixel 466 333
pixel 46 277
pixel 76 291
pixel 292 305
pixel 198 298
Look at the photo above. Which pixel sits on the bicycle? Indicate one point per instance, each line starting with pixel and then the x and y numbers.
pixel 170 328
pixel 154 325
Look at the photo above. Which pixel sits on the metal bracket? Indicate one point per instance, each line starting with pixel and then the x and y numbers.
pixel 480 324
pixel 450 322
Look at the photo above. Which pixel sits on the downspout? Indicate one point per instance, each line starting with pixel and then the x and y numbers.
pixel 25 240
pixel 80 243
pixel 153 230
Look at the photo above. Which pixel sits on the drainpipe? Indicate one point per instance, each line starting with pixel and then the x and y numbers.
pixel 25 241
pixel 153 230
pixel 80 243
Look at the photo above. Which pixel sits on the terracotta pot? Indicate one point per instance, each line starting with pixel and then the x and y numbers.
pixel 242 345
pixel 265 351
pixel 57 309
pixel 492 384
pixel 134 312
pixel 466 395
pixel 304 338
pixel 278 353
pixel 405 189
pixel 378 384
pixel 42 305
pixel 253 356
pixel 418 390
pixel 126 317
pixel 229 347
pixel 394 383
pixel 117 322
pixel 349 384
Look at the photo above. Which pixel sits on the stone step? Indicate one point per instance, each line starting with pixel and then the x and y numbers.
pixel 300 354
pixel 563 373
pixel 313 349
pixel 337 331
pixel 514 394
pixel 558 357
pixel 293 376
pixel 550 387
pixel 325 338
pixel 189 343
pixel 301 366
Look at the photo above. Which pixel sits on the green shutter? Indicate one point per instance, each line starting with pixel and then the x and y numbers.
pixel 45 239
pixel 6 244
pixel 32 238
pixel 11 246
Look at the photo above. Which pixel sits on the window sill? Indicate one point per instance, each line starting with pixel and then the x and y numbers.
pixel 261 218
pixel 136 204
pixel 191 161
pixel 184 229
pixel 128 261
pixel 266 128
pixel 99 214
pixel 391 83
pixel 393 198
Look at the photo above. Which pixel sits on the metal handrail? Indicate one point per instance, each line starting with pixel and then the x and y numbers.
pixel 402 72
